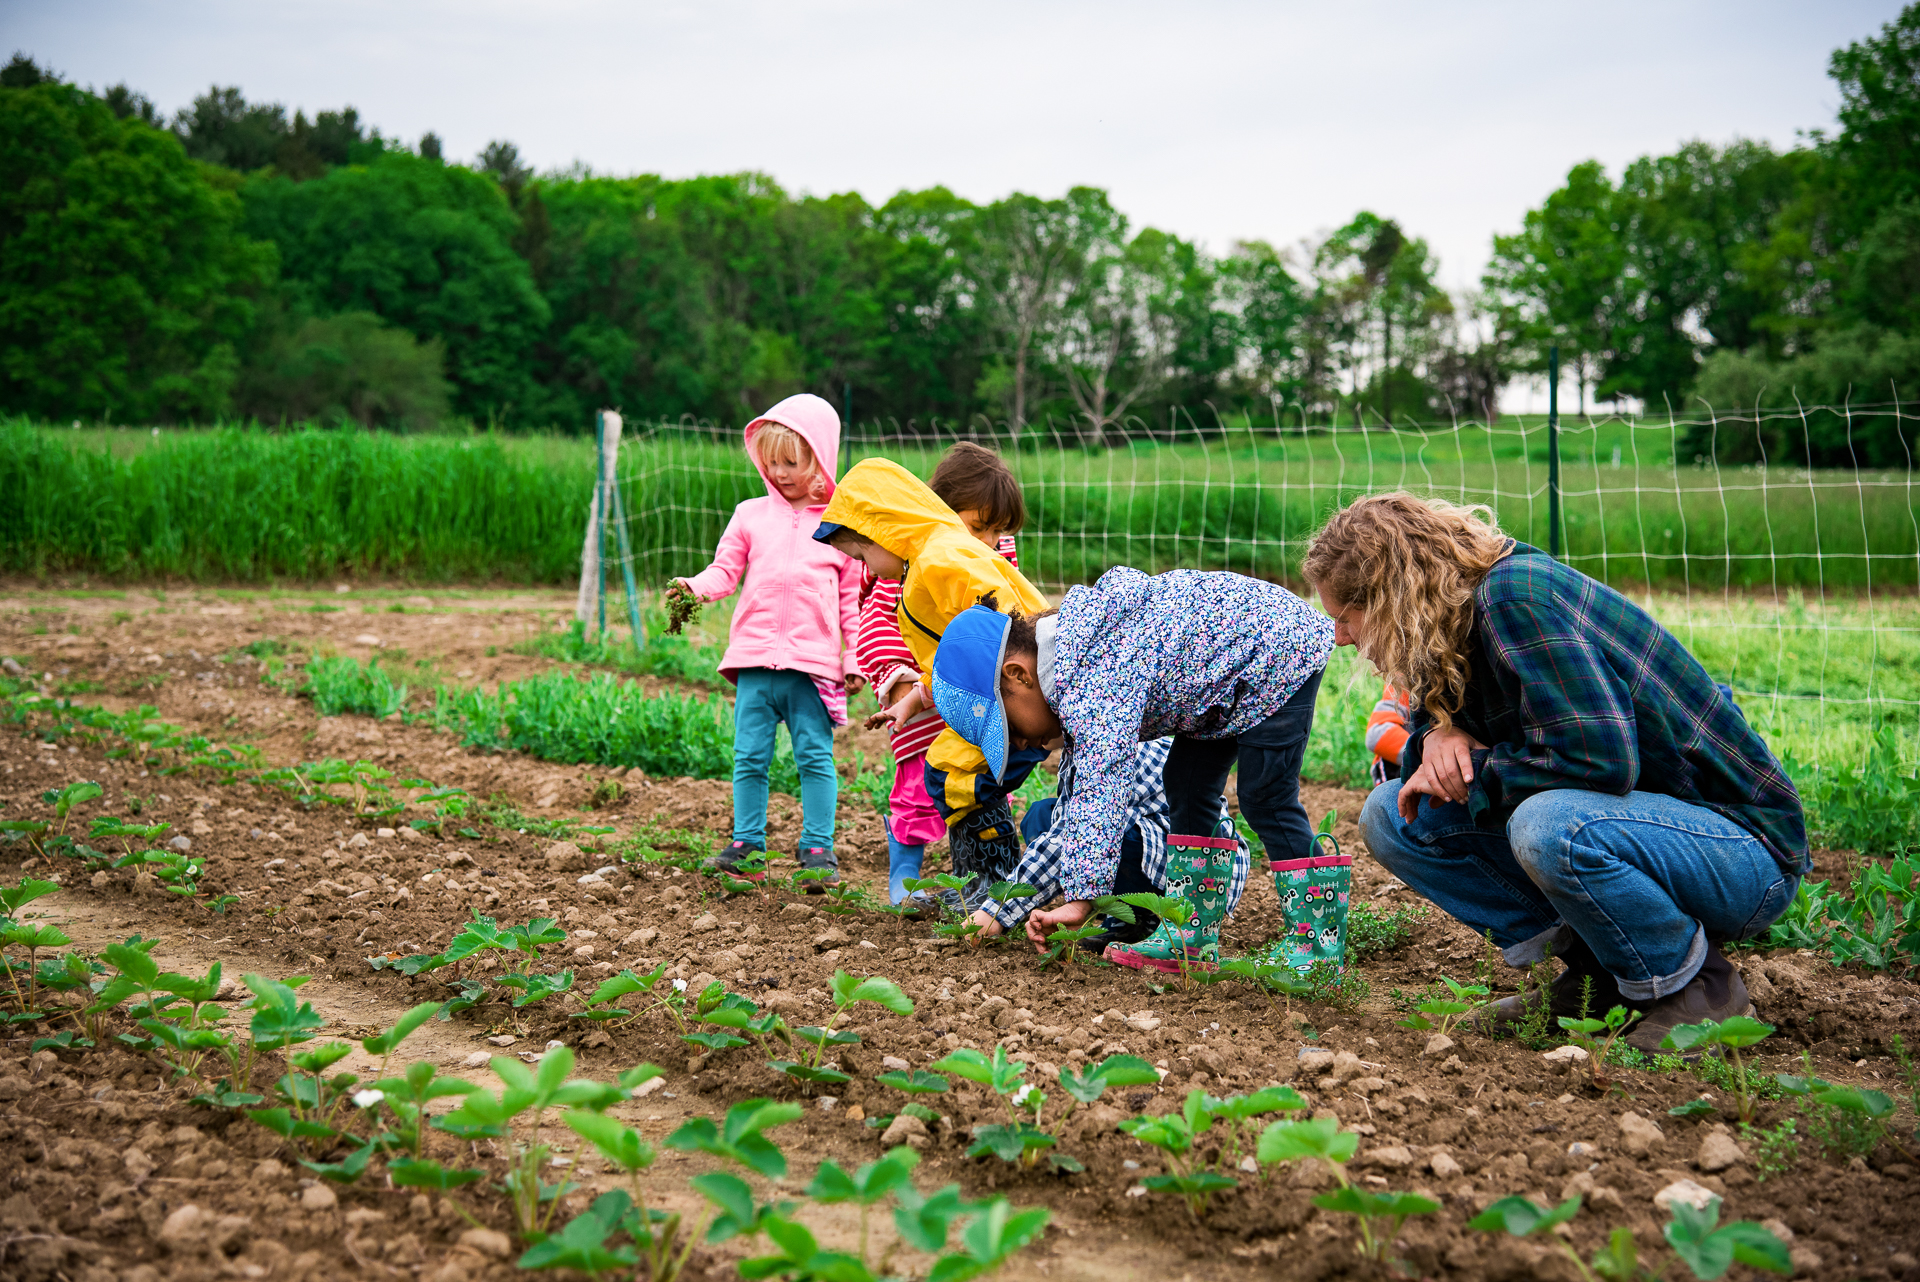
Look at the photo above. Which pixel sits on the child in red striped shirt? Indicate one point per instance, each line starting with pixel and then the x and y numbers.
pixel 984 494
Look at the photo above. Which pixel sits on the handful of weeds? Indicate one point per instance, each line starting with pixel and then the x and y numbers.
pixel 683 607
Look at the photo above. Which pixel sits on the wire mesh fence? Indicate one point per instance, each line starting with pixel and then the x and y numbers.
pixel 1797 585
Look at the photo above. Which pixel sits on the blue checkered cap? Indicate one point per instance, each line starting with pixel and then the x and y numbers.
pixel 966 682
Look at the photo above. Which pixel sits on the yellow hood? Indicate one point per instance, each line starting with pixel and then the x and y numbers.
pixel 948 570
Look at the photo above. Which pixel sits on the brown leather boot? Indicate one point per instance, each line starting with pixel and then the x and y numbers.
pixel 1562 996
pixel 1716 993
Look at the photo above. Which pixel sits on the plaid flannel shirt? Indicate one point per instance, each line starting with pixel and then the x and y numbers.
pixel 1574 686
pixel 1042 864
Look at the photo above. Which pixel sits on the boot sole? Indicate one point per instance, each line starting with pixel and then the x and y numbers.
pixel 1166 965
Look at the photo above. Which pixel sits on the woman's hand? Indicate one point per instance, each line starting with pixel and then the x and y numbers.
pixel 1446 770
pixel 1072 915
pixel 989 928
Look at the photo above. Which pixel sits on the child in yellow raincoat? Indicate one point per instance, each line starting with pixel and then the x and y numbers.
pixel 885 516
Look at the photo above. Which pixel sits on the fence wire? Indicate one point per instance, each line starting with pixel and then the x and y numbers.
pixel 1797 585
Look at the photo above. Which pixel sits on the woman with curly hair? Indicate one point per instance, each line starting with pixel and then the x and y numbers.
pixel 1588 789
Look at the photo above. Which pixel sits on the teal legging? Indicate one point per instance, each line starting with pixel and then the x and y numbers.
pixel 763 698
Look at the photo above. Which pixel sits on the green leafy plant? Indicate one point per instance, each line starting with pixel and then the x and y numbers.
pixel 1442 1014
pixel 1019 1139
pixel 1709 1251
pixel 1776 1150
pixel 1519 1217
pixel 740 1138
pixel 1379 1215
pixel 1370 931
pixel 1596 1037
pixel 1178 1136
pixel 848 991
pixel 1735 1034
pixel 1845 1121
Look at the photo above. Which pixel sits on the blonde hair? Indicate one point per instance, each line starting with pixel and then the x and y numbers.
pixel 1412 564
pixel 775 442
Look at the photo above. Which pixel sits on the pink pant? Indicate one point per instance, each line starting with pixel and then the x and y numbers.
pixel 915 821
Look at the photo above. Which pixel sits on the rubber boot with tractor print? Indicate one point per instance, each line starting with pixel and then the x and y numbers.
pixel 1199 870
pixel 1313 901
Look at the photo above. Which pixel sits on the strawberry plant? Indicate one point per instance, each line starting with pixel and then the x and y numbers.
pixel 1518 1217
pixel 1708 1251
pixel 1596 1037
pixel 1735 1034
pixel 600 1006
pixel 848 991
pixel 1379 1215
pixel 1442 1014
pixel 1025 1136
pixel 15 933
pixel 1178 1137
pixel 913 1083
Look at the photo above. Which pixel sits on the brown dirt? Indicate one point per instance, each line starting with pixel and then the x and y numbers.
pixel 106 1155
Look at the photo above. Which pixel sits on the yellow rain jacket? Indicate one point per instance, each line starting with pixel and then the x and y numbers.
pixel 948 570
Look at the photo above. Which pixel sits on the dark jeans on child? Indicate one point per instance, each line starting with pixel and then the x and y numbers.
pixel 1269 756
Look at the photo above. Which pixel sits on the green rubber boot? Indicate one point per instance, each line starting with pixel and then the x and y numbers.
pixel 1199 870
pixel 1313 896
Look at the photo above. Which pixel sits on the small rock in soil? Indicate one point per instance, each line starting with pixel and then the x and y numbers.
pixel 1393 1157
pixel 1683 1191
pixel 1566 1059
pixel 1438 1044
pixel 488 1242
pixel 704 923
pixel 564 856
pixel 1637 1134
pixel 1718 1152
pixel 1443 1166
pixel 318 1197
pixel 1453 1065
pixel 182 1226
pixel 503 1039
pixel 1315 1059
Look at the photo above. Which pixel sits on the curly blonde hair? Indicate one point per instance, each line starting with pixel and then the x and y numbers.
pixel 775 442
pixel 1411 564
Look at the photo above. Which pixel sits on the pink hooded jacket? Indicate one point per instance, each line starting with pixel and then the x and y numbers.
pixel 800 608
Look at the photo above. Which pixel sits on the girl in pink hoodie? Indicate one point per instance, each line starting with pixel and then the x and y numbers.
pixel 789 653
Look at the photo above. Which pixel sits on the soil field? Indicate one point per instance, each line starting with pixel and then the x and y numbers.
pixel 105 1155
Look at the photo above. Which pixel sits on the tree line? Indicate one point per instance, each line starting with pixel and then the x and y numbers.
pixel 235 262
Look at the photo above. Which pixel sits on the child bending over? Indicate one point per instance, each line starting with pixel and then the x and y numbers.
pixel 985 496
pixel 787 650
pixel 1227 665
pixel 887 517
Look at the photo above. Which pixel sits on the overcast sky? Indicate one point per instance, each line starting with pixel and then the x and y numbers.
pixel 1217 121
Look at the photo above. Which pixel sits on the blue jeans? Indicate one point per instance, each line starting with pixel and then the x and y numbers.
pixel 763 698
pixel 1645 880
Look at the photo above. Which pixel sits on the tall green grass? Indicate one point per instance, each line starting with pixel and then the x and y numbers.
pixel 254 506
pixel 251 506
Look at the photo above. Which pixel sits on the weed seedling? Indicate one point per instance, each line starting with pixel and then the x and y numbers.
pixel 1845 1121
pixel 1708 1251
pixel 683 608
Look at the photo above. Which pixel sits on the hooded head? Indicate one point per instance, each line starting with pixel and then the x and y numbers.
pixel 884 503
pixel 814 421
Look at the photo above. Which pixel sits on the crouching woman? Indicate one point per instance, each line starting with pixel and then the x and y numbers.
pixel 1573 780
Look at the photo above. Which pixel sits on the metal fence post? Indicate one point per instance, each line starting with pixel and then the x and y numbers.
pixel 600 510
pixel 1553 450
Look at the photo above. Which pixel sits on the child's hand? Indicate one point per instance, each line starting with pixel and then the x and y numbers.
pixel 897 715
pixel 989 928
pixel 855 683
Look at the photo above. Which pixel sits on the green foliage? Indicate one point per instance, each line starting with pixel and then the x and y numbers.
pixel 233 505
pixel 426 246
pixel 349 369
pixel 739 1138
pixel 127 276
pixel 1845 1121
pixel 1440 1014
pixel 1597 1036
pixel 1709 1252
pixel 1381 1215
pixel 1776 1150
pixel 1734 1034
pixel 1371 931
